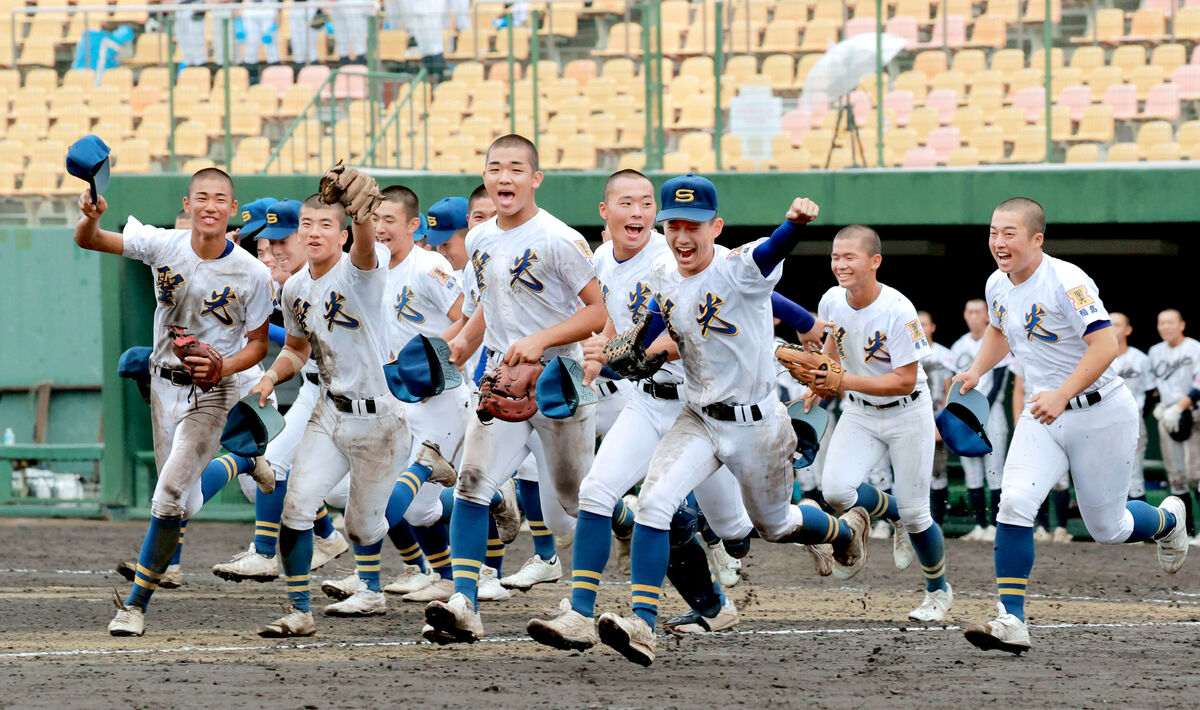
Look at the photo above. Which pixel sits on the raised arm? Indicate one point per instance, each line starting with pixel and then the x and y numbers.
pixel 769 253
pixel 87 231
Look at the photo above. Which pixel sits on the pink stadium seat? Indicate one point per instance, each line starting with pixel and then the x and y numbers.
pixel 903 26
pixel 1076 98
pixel 900 101
pixel 1163 6
pixel 1162 102
pixel 1123 99
pixel 797 123
pixel 945 101
pixel 919 158
pixel 1031 99
pixel 860 26
pixel 348 86
pixel 953 35
pixel 313 75
pixel 860 104
pixel 279 76
pixel 943 140
pixel 1187 78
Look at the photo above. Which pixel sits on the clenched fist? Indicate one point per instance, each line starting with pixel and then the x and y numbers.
pixel 802 211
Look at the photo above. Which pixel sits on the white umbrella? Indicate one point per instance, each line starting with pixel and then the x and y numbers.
pixel 839 70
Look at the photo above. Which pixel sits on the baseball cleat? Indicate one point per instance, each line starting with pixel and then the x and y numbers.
pixel 456 618
pixel 629 636
pixel 1041 534
pixel 364 602
pixel 430 456
pixel 293 623
pixel 534 571
pixel 822 558
pixel 851 560
pixel 974 535
pixel 727 569
pixel 1062 537
pixel 881 530
pixel 989 534
pixel 440 590
pixel 490 589
pixel 432 635
pixel 566 629
pixel 263 475
pixel 1005 633
pixel 506 513
pixel 129 620
pixel 248 564
pixel 694 622
pixel 172 577
pixel 327 548
pixel 1173 547
pixel 934 606
pixel 903 553
pixel 410 580
pixel 343 588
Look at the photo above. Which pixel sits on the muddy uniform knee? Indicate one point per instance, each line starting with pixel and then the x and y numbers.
pixel 472 485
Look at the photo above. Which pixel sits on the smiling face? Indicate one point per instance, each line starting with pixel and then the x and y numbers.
pixel 211 205
pixel 394 228
pixel 1015 247
pixel 289 253
pixel 322 234
pixel 628 212
pixel 692 242
pixel 511 180
pixel 853 265
pixel 1170 326
pixel 455 250
pixel 482 209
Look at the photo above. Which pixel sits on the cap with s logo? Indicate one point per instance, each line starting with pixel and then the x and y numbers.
pixel 688 197
pixel 446 216
pixel 282 219
pixel 254 216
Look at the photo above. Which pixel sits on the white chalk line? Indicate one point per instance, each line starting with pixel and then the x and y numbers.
pixel 526 639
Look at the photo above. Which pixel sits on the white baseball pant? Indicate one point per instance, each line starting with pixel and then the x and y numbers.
pixel 189 34
pixel 1181 459
pixel 368 446
pixel 1137 479
pixel 1097 444
pixel 219 20
pixel 349 32
pixel 257 22
pixel 991 466
pixel 610 405
pixel 553 515
pixel 304 38
pixel 901 436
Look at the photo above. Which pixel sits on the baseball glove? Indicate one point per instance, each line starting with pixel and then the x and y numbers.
pixel 186 346
pixel 626 356
pixel 509 393
pixel 816 370
pixel 354 190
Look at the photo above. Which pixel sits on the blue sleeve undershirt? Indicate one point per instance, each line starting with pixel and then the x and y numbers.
pixel 791 313
pixel 770 253
pixel 276 334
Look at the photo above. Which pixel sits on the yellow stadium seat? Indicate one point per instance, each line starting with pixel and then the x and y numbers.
pixel 899 141
pixel 603 127
pixel 1144 78
pixel 155 135
pixel 211 116
pixel 621 69
pixel 913 81
pixel 1035 11
pixel 967 120
pixel 781 36
pixel 1128 57
pixel 8 178
pixel 1008 62
pixel 1037 59
pixel 197 79
pixel 969 61
pixel 67 132
pixel 1024 79
pixel 1010 10
pixel 472 43
pixel 819 35
pixel 624 40
pixel 1188 134
pixel 469 73
pixel 295 100
pixel 1100 78
pixel 985 81
pixel 578 153
pixel 780 70
pixel 245 120
pixel 1122 153
pixel 84 79
pixel 1187 23
pixel 191 139
pixel 989 31
pixel 10 80
pixel 1108 27
pixel 697 113
pixel 150 49
pixel 239 81
pixel 196 164
pixel 1146 25
pixel 989 101
pixel 931 63
pixel 922 121
pixel 581 70
pixel 1083 153
pixel 40 179
pixel 1164 151
pixel 1169 56
pixel 989 141
pixel 633 133
pixel 953 80
pixel 963 157
pixel 264 97
pixel 132 156
pixel 633 160
pixel 33 118
pixel 50 152
pixel 1153 133
pixel 44 79
pixel 1087 58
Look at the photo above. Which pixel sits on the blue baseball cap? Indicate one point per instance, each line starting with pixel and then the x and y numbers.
pixel 423 230
pixel 560 390
pixel 282 218
pixel 87 159
pixel 688 197
pixel 961 422
pixel 249 427
pixel 809 427
pixel 422 369
pixel 446 216
pixel 254 216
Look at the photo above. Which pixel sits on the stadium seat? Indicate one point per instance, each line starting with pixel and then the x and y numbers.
pixel 1145 78
pixel 245 120
pixel 1162 101
pixel 280 77
pixel 313 75
pixel 1076 98
pixel 1010 120
pixel 780 70
pixel 901 101
pixel 967 120
pixel 1083 153
pixel 1153 133
pixel 1008 62
pixel 155 135
pixel 1031 100
pixel 915 82
pixel 819 35
pixel 1100 78
pixel 990 31
pixel 906 27
pixel 795 160
pixel 1169 56
pixel 923 120
pixel 919 158
pixel 986 80
pixel 1187 23
pixel 1122 153
pixel 898 142
pixel 952 34
pixel 973 61
pixel 943 140
pixel 133 156
pixel 1025 78
pixel 624 40
pixel 797 123
pixel 859 26
pixel 41 179
pixel 1035 11
pixel 1146 25
pixel 953 80
pixel 1108 27
pixel 1087 58
pixel 1029 146
pixel 633 160
pixel 191 139
pixel 695 114
pixel 964 157
pixel 1060 124
pixel 989 101
pixel 931 63
pixel 1123 100
pixel 1037 59
pixel 1160 152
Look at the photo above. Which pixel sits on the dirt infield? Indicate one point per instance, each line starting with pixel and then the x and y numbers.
pixel 1110 629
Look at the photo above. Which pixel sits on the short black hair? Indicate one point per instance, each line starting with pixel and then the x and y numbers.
pixel 210 173
pixel 866 236
pixel 1033 214
pixel 315 202
pixel 406 197
pixel 512 140
pixel 477 194
pixel 627 173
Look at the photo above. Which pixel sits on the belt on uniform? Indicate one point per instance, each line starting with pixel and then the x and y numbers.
pixel 608 387
pixel 660 390
pixel 351 406
pixel 894 403
pixel 312 377
pixel 1085 400
pixel 181 378
pixel 734 412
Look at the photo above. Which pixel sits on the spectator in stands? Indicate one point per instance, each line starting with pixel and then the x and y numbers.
pixel 189 33
pixel 426 21
pixel 260 27
pixel 304 32
pixel 460 10
pixel 349 31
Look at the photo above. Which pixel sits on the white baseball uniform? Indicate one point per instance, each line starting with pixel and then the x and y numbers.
pixel 349 31
pixel 992 384
pixel 624 455
pixel 302 39
pixel 721 321
pixel 355 425
pixel 257 23
pixel 189 33
pixel 1133 366
pixel 218 301
pixel 1044 320
pixel 939 367
pixel 875 340
pixel 1174 370
pixel 528 278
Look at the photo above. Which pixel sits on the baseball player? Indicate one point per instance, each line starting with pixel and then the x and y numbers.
pixel 258 562
pixel 189 33
pixel 220 295
pixel 1060 492
pixel 1049 314
pixel 887 412
pixel 530 270
pixel 716 305
pixel 1174 363
pixel 333 310
pixel 939 367
pixel 1133 366
pixel 303 38
pixel 989 466
pixel 349 32
pixel 260 24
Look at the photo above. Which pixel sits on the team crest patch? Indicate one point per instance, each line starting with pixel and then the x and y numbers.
pixel 1080 298
pixel 583 247
pixel 734 253
pixel 914 330
pixel 440 274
